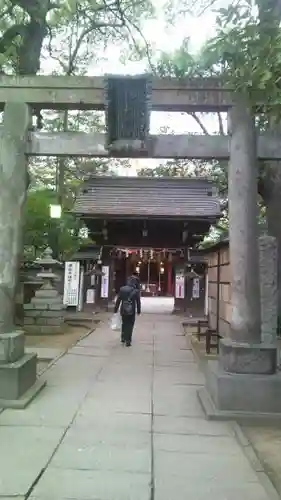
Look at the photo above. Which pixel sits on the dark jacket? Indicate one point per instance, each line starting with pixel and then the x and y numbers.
pixel 134 281
pixel 124 293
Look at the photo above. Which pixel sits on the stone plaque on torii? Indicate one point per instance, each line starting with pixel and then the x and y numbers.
pixel 245 381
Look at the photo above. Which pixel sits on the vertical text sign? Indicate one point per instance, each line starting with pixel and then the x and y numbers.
pixel 71 283
pixel 104 282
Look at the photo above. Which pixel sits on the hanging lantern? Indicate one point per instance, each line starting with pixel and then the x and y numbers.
pixel 141 253
pixel 170 257
pixel 120 254
pixel 151 253
pixel 127 253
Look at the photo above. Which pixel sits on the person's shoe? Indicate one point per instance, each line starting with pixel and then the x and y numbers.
pixel 122 341
pixel 128 344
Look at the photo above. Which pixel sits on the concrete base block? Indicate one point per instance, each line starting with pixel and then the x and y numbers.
pixel 249 359
pixel 17 378
pixel 240 396
pixel 25 399
pixel 213 413
pixel 11 347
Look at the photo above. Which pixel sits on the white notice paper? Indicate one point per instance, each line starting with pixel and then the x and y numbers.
pixel 196 288
pixel 104 282
pixel 179 292
pixel 71 283
pixel 90 296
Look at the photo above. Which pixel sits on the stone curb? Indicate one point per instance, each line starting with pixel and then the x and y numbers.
pixel 245 444
pixel 56 359
pixel 255 462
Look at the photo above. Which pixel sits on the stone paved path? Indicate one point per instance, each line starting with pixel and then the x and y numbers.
pixel 123 424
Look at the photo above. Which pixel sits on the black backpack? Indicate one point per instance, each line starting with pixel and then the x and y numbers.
pixel 128 305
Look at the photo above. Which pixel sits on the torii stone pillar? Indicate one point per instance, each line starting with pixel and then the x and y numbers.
pixel 243 228
pixel 243 353
pixel 244 380
pixel 18 382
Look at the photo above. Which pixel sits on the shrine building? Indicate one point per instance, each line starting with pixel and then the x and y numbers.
pixel 151 226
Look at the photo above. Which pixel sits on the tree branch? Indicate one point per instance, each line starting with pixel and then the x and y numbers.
pixel 221 129
pixel 198 121
pixel 9 36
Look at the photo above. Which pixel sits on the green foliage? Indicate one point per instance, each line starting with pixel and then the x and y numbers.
pixel 28 26
pixel 183 64
pixel 245 54
pixel 192 169
pixel 179 64
pixel 40 230
pixel 248 50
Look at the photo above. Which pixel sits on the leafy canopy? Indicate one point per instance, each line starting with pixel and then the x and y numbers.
pixel 245 53
pixel 40 230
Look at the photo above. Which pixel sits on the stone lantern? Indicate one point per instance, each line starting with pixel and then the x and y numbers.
pixel 44 315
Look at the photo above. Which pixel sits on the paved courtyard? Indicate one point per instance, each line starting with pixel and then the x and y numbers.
pixel 117 423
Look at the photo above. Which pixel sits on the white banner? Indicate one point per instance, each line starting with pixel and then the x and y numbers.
pixel 104 282
pixel 90 296
pixel 179 292
pixel 81 289
pixel 206 294
pixel 196 288
pixel 71 283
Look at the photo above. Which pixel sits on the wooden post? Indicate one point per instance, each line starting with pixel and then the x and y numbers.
pixel 169 280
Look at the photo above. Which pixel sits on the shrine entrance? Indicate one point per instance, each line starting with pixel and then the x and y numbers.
pixel 149 213
pixel 149 226
pixel 153 266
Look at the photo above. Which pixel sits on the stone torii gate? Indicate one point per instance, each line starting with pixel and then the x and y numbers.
pixel 245 381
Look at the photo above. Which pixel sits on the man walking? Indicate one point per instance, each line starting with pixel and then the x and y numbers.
pixel 129 299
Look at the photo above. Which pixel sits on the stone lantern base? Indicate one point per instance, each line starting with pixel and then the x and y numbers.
pixel 45 313
pixel 18 374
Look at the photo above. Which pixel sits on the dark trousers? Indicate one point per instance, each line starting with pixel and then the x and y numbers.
pixel 127 328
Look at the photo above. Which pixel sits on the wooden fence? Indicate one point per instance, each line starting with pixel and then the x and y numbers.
pixel 219 289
